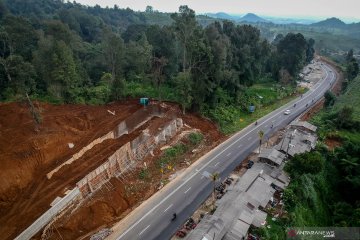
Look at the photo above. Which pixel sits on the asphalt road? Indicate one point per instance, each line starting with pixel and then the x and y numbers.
pixel 185 194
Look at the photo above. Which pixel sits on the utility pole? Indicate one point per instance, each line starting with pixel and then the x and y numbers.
pixel 291 137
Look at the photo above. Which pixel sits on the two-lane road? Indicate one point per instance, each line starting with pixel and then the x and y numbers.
pixel 183 196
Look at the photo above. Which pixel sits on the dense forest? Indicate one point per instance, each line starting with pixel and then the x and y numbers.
pixel 70 53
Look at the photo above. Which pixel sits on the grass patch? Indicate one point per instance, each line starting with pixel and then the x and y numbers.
pixel 266 97
pixel 170 155
pixel 241 119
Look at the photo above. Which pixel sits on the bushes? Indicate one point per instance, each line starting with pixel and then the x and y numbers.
pixel 171 154
pixel 195 138
pixel 311 162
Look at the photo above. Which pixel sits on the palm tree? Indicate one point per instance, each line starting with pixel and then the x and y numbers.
pixel 261 135
pixel 214 177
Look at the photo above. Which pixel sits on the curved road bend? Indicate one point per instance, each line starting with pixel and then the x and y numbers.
pixel 152 220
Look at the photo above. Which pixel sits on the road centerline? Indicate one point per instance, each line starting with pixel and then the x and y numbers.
pixel 168 207
pixel 190 187
pixel 144 230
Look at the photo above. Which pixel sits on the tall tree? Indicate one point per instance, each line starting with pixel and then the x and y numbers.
pixel 185 25
pixel 183 87
pixel 114 50
pixel 292 52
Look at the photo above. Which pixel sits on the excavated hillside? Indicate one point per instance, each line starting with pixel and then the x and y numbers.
pixel 29 153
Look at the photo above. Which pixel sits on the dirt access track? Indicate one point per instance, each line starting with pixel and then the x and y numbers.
pixel 28 154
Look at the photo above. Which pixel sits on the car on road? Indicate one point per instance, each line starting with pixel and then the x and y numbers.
pixel 250 164
pixel 287 112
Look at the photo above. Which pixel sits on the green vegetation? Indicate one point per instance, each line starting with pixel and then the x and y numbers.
pixel 195 138
pixel 324 188
pixel 171 154
pixel 70 53
pixel 144 174
pixel 265 97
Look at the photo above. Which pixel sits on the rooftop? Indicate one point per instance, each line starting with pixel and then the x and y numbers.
pixel 273 155
pixel 304 124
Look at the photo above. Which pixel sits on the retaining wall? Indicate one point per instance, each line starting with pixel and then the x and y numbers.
pixel 126 156
pixel 49 215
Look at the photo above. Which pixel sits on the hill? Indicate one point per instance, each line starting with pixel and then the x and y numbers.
pixel 250 17
pixel 221 15
pixel 331 23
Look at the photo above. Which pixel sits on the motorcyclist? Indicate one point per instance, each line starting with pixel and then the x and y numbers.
pixel 256 123
pixel 174 217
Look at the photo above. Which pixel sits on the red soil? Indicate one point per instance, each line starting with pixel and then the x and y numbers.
pixel 28 155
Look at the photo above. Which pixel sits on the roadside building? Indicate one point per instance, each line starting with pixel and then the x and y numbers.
pixel 303 126
pixel 241 207
pixel 296 142
pixel 271 156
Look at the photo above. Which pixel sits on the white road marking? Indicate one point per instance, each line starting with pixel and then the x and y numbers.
pixel 249 138
pixel 168 207
pixel 190 187
pixel 217 164
pixel 240 145
pixel 203 167
pixel 266 126
pixel 202 177
pixel 144 230
pixel 228 154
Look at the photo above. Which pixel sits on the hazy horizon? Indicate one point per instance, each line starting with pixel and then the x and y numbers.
pixel 346 10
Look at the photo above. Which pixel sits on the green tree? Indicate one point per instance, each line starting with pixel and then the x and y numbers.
pixel 330 98
pixel 310 50
pixel 118 88
pixel 22 74
pixel 114 50
pixel 64 76
pixel 138 57
pixel 311 162
pixel 344 117
pixel 3 9
pixel 184 25
pixel 352 69
pixel 292 52
pixel 183 88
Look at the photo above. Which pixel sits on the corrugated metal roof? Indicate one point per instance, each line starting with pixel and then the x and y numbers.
pixel 304 124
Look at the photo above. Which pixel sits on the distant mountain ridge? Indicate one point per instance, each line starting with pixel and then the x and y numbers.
pixel 330 22
pixel 221 15
pixel 251 17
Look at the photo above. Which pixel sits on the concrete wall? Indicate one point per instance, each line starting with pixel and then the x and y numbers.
pixel 50 214
pixel 125 157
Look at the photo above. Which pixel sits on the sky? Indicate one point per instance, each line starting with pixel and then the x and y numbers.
pixel 347 9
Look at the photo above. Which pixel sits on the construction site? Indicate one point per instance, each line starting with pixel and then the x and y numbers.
pixel 82 169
